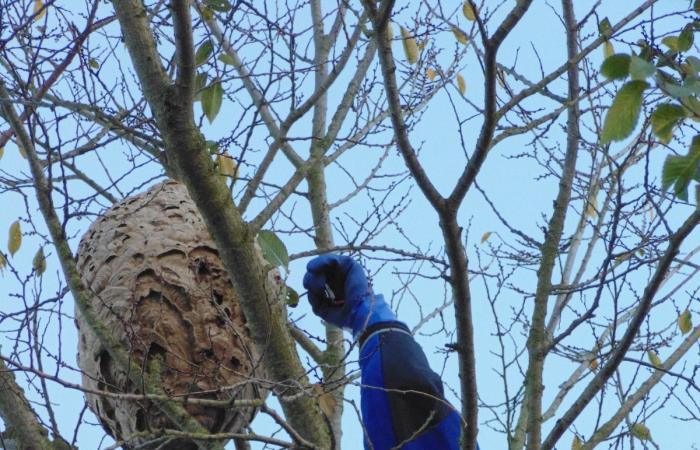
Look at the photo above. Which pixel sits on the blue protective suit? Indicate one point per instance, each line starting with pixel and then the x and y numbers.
pixel 402 399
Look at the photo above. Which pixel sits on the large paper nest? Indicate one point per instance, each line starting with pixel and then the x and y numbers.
pixel 160 288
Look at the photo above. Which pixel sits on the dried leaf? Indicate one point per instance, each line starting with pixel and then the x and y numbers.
pixel 2 151
pixel 685 322
pixel 227 166
pixel 640 431
pixel 468 11
pixel 14 241
pixel 654 358
pixel 461 84
pixel 460 35
pixel 430 73
pixel 501 77
pixel 593 364
pixel 325 400
pixel 576 444
pixel 485 237
pixel 592 208
pixel 410 47
pixel 39 10
pixel 39 262
pixel 608 49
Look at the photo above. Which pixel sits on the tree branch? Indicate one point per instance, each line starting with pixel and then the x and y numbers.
pixel 605 372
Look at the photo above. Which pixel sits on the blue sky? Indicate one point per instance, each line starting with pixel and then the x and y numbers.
pixel 510 183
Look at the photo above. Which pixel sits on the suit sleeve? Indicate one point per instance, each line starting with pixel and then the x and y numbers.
pixel 402 398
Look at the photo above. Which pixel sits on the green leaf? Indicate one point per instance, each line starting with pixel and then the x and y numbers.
pixel 212 97
pixel 694 63
pixel 226 59
pixel 654 358
pixel 624 112
pixel 213 147
pixel 199 82
pixel 686 38
pixel 685 322
pixel 203 53
pixel 273 249
pixel 292 297
pixel 39 262
pixel 671 42
pixel 616 67
pixel 218 5
pixel 604 28
pixel 640 431
pixel 14 241
pixel 641 69
pixel 664 119
pixel 92 62
pixel 680 170
pixel 691 86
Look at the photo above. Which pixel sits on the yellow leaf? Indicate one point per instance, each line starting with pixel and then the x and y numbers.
pixel 389 32
pixel 501 77
pixel 93 63
pixel 227 166
pixel 3 262
pixel 608 49
pixel 619 259
pixel 409 46
pixel 468 11
pixel 422 45
pixel 430 73
pixel 15 239
pixel 640 431
pixel 39 262
pixel 654 358
pixel 461 85
pixel 593 364
pixel 592 208
pixel 485 237
pixel 460 35
pixel 576 444
pixel 325 400
pixel 685 322
pixel 2 151
pixel 39 9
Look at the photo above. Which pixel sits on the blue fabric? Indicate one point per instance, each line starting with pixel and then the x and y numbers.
pixel 393 364
pixel 360 308
pixel 402 399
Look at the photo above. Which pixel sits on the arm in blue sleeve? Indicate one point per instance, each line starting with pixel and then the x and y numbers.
pixel 402 398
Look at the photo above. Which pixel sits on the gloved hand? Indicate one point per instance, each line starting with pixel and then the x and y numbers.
pixel 360 307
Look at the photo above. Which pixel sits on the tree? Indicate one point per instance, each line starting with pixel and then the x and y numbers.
pixel 266 112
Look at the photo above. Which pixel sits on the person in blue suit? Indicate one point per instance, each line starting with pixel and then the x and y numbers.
pixel 402 399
